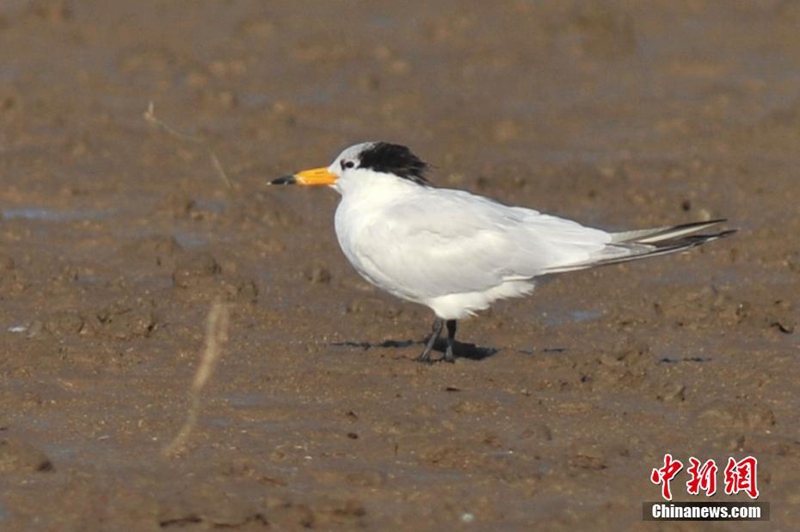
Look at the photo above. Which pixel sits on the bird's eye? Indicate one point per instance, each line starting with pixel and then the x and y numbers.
pixel 348 164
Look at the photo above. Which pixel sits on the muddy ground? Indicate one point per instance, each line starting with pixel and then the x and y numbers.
pixel 117 237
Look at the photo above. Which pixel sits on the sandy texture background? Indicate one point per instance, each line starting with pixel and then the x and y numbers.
pixel 117 237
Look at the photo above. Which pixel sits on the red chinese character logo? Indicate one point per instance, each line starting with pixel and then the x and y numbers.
pixel 702 477
pixel 741 476
pixel 665 474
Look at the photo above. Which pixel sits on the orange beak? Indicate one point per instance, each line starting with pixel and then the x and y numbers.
pixel 313 177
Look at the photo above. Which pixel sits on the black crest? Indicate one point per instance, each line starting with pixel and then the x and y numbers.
pixel 394 159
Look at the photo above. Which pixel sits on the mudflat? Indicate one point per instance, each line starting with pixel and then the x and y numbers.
pixel 119 235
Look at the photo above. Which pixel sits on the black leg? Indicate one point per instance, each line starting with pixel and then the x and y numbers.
pixel 451 336
pixel 436 331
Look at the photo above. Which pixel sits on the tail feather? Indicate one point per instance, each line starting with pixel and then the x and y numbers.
pixel 659 234
pixel 634 245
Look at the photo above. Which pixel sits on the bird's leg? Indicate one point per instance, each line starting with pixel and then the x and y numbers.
pixel 436 331
pixel 451 337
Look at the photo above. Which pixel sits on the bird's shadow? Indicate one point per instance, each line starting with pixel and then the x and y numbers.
pixel 460 349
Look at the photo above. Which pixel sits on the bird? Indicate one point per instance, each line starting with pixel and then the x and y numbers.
pixel 457 252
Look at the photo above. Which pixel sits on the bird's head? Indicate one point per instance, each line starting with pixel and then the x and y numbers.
pixel 357 163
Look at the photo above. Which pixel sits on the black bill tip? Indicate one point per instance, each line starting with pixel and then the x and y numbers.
pixel 285 180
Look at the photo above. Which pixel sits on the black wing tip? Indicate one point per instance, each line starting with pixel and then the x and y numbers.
pixel 703 237
pixel 677 244
pixel 707 223
pixel 690 241
pixel 667 235
pixel 727 232
pixel 720 234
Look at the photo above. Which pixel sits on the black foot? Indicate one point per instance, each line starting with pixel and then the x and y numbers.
pixel 451 337
pixel 437 331
pixel 449 356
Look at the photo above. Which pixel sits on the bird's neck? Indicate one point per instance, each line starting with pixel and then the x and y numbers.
pixel 370 192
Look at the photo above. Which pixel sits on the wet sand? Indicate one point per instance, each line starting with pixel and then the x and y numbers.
pixel 117 237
